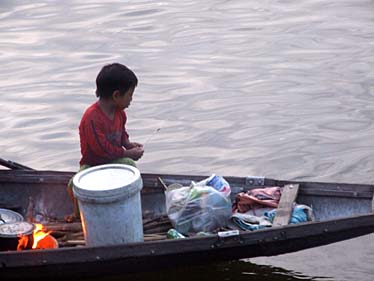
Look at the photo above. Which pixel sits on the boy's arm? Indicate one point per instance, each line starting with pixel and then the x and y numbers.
pixel 126 141
pixel 133 150
pixel 125 136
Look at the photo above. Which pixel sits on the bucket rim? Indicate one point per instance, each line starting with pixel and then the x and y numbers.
pixel 133 185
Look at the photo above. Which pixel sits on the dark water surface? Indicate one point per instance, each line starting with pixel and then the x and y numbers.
pixel 282 89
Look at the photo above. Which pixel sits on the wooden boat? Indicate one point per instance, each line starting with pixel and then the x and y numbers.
pixel 342 211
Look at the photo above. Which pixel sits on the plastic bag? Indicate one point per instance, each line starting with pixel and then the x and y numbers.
pixel 203 206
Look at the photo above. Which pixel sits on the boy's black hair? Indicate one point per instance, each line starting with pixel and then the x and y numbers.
pixel 114 77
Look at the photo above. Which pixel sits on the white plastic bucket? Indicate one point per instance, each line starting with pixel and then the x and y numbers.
pixel 110 206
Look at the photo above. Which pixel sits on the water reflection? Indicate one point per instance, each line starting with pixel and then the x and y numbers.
pixel 235 271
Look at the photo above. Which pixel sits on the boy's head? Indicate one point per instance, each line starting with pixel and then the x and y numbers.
pixel 114 77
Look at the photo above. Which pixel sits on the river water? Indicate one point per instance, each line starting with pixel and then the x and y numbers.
pixel 282 89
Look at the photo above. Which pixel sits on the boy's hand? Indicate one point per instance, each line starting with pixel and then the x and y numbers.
pixel 135 153
pixel 130 145
pixel 136 144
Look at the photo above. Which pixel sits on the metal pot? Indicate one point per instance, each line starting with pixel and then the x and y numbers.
pixel 9 216
pixel 14 234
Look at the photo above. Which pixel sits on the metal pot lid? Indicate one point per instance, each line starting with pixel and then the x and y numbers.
pixel 9 216
pixel 16 229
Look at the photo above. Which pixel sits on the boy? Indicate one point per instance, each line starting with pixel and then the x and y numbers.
pixel 102 131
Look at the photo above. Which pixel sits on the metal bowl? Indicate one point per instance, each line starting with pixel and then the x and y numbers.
pixel 16 235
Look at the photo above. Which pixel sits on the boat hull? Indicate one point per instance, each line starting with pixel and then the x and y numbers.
pixel 85 262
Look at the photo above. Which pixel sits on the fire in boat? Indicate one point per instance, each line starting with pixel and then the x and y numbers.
pixel 20 235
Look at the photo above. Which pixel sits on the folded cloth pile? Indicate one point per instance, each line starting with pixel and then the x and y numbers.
pixel 257 208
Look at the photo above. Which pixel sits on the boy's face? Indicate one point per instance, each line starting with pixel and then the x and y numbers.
pixel 123 101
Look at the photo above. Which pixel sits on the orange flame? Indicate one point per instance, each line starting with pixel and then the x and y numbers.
pixel 22 243
pixel 41 240
pixel 39 234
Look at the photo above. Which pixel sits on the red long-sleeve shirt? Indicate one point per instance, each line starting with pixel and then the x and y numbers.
pixel 101 138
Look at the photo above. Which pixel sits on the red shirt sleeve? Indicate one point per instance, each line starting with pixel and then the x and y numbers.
pixel 125 136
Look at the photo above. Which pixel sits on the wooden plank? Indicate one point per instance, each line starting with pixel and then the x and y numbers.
pixel 284 209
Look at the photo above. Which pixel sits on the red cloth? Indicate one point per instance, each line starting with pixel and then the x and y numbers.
pixel 102 139
pixel 257 198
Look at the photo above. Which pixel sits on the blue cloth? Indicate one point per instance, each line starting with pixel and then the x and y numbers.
pixel 298 215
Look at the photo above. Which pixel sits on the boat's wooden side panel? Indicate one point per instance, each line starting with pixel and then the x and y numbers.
pixel 41 201
pixel 43 194
pixel 238 184
pixel 335 207
pixel 45 191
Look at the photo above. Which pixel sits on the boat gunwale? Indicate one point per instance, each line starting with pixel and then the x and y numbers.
pixel 239 184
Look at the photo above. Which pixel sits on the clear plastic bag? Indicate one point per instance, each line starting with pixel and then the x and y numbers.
pixel 204 206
